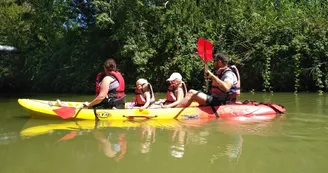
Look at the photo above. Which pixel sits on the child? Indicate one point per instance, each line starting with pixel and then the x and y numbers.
pixel 144 94
pixel 176 90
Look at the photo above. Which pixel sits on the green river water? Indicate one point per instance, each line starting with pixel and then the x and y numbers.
pixel 292 143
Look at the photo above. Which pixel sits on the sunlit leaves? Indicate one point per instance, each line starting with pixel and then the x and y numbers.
pixel 277 45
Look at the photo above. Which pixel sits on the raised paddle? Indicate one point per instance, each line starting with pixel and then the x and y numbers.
pixel 208 51
pixel 201 48
pixel 205 48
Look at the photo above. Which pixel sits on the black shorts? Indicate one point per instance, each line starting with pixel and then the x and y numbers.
pixel 214 101
pixel 110 103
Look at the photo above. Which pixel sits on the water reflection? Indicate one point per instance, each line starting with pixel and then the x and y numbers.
pixel 210 141
pixel 113 146
pixel 7 138
pixel 306 103
pixel 178 142
pixel 9 130
pixel 295 143
pixel 147 137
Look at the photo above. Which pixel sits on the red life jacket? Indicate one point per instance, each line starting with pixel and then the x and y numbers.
pixel 234 90
pixel 120 89
pixel 140 98
pixel 170 94
pixel 118 76
pixel 99 78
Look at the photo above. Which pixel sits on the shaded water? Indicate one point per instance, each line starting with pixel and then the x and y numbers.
pixel 294 142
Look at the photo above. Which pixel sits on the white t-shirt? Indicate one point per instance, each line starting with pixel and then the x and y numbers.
pixel 230 77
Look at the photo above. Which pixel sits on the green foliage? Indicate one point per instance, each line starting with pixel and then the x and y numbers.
pixel 277 45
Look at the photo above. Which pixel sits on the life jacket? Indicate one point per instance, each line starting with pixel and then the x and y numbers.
pixel 99 78
pixel 170 94
pixel 140 98
pixel 119 91
pixel 236 71
pixel 234 90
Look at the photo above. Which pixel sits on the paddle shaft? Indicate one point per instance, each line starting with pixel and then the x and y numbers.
pixel 206 80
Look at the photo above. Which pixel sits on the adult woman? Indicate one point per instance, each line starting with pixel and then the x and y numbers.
pixel 176 90
pixel 144 94
pixel 111 91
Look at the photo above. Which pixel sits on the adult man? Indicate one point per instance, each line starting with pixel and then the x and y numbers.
pixel 224 83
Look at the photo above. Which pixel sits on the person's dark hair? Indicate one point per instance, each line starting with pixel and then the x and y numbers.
pixel 110 65
pixel 224 58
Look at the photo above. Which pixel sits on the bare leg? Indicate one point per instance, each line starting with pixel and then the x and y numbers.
pixel 60 104
pixel 191 96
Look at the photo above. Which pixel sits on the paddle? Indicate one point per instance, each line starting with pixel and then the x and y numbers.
pixel 201 48
pixel 67 112
pixel 68 136
pixel 205 48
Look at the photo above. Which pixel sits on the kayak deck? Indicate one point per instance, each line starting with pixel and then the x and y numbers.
pixel 49 109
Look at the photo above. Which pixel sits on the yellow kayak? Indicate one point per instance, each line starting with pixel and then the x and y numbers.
pixel 35 127
pixel 73 110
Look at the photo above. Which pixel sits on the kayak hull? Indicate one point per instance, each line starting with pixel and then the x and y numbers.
pixel 49 109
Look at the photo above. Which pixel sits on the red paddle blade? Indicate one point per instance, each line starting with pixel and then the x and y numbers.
pixel 208 51
pixel 201 48
pixel 69 136
pixel 65 112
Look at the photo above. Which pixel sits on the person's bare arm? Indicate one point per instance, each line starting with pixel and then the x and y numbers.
pixel 104 88
pixel 223 85
pixel 147 94
pixel 179 98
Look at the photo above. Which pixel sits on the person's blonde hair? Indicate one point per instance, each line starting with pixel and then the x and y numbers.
pixel 143 81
